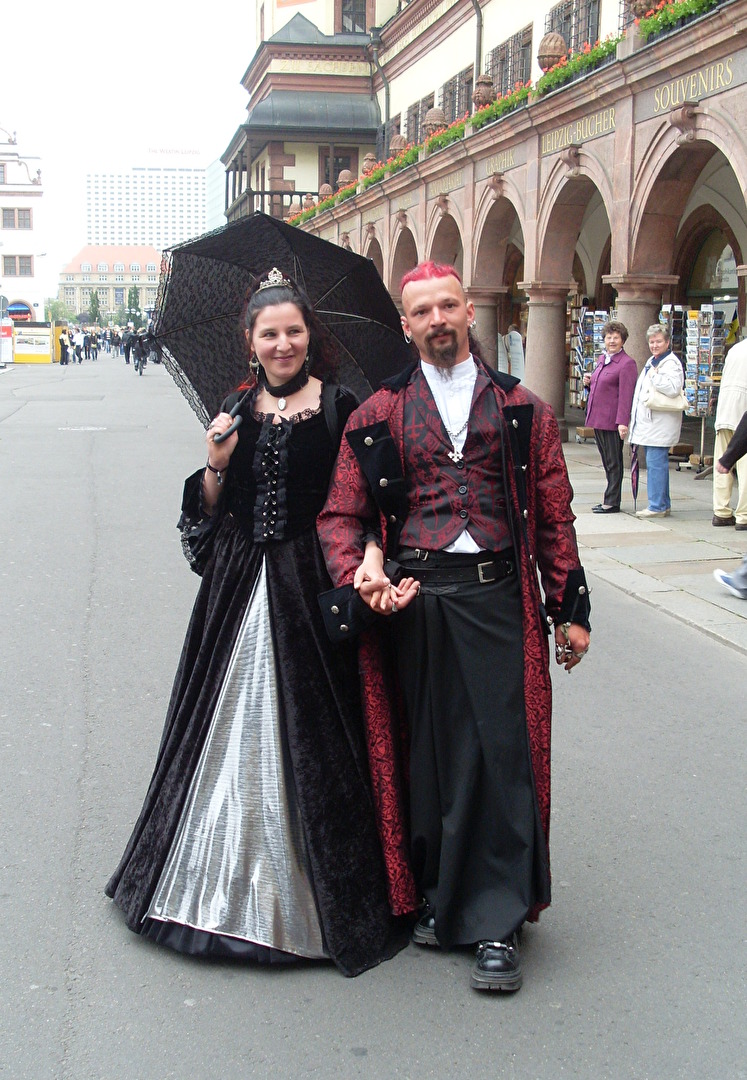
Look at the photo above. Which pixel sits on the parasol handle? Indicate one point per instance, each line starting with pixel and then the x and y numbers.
pixel 221 438
pixel 237 419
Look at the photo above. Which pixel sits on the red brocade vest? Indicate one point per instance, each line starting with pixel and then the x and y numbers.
pixel 446 497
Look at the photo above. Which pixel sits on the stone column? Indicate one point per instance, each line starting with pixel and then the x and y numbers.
pixel 486 318
pixel 639 299
pixel 546 359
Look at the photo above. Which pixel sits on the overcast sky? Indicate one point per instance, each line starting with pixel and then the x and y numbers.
pixel 93 86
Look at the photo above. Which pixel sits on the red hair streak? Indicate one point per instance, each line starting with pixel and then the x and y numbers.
pixel 426 270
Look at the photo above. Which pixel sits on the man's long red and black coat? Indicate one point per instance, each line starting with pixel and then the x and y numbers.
pixel 369 492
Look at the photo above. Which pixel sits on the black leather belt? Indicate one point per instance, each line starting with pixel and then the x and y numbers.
pixel 439 568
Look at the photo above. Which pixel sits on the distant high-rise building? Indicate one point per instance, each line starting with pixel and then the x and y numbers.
pixel 155 205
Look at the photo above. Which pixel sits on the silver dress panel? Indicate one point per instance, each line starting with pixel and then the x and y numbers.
pixel 238 863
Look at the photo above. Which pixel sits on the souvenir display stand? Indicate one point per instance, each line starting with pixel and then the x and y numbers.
pixel 586 345
pixel 698 339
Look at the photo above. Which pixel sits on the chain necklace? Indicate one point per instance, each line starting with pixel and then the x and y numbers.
pixel 456 455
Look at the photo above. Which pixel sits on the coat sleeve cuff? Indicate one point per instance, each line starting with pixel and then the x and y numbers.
pixel 345 615
pixel 576 605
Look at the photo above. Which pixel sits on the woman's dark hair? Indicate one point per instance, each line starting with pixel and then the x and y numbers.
pixel 321 349
pixel 616 328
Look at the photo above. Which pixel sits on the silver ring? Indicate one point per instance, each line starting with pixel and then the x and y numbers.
pixel 394 608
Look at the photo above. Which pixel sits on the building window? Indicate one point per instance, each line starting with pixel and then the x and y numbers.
pixel 86 277
pixel 151 267
pixel 103 267
pixel 16 219
pixel 416 116
pixel 102 277
pixel 345 157
pixel 25 267
pixel 134 266
pixel 455 96
pixel 9 266
pixel 577 21
pixel 353 16
pixel 119 266
pixel 511 62
pixel 2 174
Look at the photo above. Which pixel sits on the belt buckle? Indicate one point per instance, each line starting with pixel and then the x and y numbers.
pixel 421 554
pixel 481 567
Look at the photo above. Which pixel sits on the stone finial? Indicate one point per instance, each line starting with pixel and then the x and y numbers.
pixel 551 50
pixel 435 120
pixel 397 144
pixel 369 162
pixel 484 92
pixel 344 178
pixel 308 201
pixel 325 191
pixel 640 7
pixel 295 206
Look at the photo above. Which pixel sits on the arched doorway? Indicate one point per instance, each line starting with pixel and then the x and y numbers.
pixel 447 244
pixel 374 253
pixel 405 257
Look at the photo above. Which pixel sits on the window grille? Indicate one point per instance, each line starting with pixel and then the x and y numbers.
pixel 416 117
pixel 455 96
pixel 577 21
pixel 511 62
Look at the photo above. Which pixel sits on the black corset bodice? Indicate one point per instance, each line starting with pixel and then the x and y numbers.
pixel 279 474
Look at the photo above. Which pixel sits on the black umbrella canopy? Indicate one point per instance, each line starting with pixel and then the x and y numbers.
pixel 204 285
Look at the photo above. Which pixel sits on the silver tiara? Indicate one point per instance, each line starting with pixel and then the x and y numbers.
pixel 275 280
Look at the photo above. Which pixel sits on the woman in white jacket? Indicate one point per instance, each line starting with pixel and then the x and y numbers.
pixel 655 430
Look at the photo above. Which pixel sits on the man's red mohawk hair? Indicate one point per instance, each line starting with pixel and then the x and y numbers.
pixel 426 270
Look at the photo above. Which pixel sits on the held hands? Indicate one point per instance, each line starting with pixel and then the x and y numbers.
pixel 622 431
pixel 375 588
pixel 219 455
pixel 571 644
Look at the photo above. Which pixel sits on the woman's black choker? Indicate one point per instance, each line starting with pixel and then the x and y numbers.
pixel 282 393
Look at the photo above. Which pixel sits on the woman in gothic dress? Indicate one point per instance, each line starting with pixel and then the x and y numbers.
pixel 258 838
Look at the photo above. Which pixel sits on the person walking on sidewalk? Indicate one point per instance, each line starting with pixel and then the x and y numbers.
pixel 655 430
pixel 736 451
pixel 732 403
pixel 611 385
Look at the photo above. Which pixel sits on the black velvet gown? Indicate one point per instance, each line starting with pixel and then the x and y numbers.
pixel 257 838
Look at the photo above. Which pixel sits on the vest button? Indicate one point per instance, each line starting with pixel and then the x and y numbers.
pixel 462 489
pixel 392 519
pixel 383 482
pixel 463 514
pixel 368 440
pixel 460 464
pixel 515 423
pixel 335 610
pixel 344 628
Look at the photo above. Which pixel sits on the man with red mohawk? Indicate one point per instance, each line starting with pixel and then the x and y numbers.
pixel 449 495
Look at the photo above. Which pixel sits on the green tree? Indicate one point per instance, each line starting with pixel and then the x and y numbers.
pixel 94 311
pixel 57 311
pixel 133 304
pixel 120 317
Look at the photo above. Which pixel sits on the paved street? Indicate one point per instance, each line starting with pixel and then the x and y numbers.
pixel 635 973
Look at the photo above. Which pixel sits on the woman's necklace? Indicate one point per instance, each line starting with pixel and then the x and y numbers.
pixel 282 393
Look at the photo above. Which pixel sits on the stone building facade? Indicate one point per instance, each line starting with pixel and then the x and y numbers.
pixel 624 186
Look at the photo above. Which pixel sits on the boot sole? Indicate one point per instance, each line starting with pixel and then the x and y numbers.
pixel 425 937
pixel 481 981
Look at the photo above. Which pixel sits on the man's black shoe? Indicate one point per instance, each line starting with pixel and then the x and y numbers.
pixel 425 929
pixel 497 965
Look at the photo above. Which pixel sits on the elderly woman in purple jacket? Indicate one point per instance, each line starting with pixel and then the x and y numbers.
pixel 611 385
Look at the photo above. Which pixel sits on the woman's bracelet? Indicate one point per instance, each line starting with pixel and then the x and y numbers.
pixel 218 472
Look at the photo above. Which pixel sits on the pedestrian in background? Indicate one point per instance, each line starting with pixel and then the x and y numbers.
pixel 654 429
pixel 611 385
pixel 731 406
pixel 735 452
